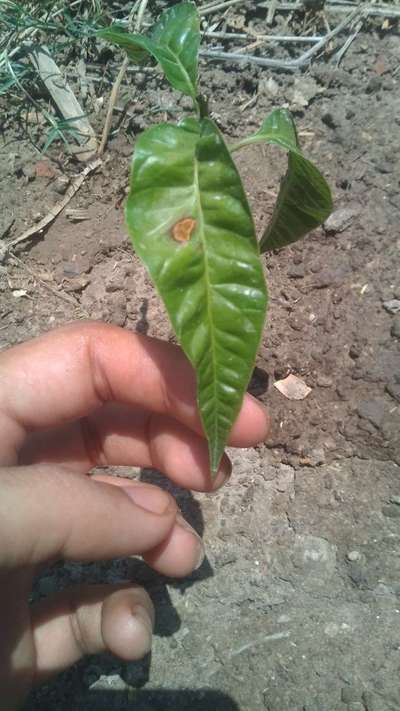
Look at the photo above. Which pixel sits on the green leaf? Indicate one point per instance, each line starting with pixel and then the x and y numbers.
pixel 177 36
pixel 279 128
pixel 174 43
pixel 134 45
pixel 304 200
pixel 190 223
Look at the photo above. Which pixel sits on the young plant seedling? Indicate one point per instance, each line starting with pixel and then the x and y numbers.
pixel 189 221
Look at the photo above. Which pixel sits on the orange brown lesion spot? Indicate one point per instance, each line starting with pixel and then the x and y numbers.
pixel 183 229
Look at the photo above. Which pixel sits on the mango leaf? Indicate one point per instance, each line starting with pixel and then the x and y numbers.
pixel 173 43
pixel 190 223
pixel 304 200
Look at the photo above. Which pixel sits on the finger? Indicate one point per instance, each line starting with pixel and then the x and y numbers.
pixel 120 435
pixel 68 373
pixel 48 512
pixel 90 620
pixel 180 553
pixel 177 556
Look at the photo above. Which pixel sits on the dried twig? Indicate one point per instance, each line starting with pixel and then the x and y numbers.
pixel 265 38
pixel 253 45
pixel 151 71
pixel 336 6
pixel 342 51
pixel 233 57
pixel 6 228
pixel 65 100
pixel 117 84
pixel 248 103
pixel 290 64
pixel 212 7
pixel 326 22
pixel 111 104
pixel 52 214
pixel 271 12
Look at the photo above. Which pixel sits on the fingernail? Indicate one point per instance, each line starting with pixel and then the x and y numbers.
pixel 222 475
pixel 200 558
pixel 149 498
pixel 200 554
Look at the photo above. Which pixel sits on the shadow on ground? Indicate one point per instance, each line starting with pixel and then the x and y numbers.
pixel 154 700
pixel 136 674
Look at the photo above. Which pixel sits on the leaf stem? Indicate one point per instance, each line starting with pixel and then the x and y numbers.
pixel 247 142
pixel 202 106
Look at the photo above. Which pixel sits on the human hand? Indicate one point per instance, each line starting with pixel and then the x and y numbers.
pixel 83 396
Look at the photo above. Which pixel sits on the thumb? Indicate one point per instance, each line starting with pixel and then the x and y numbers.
pixel 48 512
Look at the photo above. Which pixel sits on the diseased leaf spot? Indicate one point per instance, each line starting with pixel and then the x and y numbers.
pixel 183 229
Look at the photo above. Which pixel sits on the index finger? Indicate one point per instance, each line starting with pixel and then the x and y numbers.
pixel 68 373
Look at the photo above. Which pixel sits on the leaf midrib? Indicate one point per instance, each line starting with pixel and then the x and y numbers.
pixel 182 68
pixel 208 307
pixel 266 138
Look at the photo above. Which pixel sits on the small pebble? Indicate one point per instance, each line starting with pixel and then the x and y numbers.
pixel 324 381
pixel 342 392
pixel 109 682
pixel 391 511
pixel 115 283
pixel 296 272
pixel 29 171
pixel 324 279
pixel 350 694
pixel 353 555
pixel 316 457
pixel 392 306
pixel 60 185
pixel 329 120
pixel 395 330
pixel 340 220
pixel 374 84
pixel 3 253
pixel 77 284
pixel 354 351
